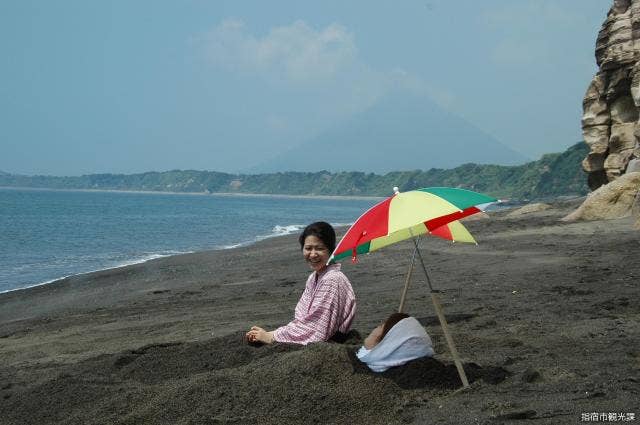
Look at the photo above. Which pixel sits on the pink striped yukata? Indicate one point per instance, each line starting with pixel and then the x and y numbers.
pixel 326 306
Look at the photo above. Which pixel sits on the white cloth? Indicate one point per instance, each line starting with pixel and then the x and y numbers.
pixel 406 341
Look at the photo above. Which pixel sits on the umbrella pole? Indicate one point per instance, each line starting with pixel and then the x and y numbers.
pixel 443 323
pixel 408 279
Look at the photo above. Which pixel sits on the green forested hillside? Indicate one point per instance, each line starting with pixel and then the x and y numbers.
pixel 553 175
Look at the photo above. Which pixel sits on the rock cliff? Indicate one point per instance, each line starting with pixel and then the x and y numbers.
pixel 615 200
pixel 610 120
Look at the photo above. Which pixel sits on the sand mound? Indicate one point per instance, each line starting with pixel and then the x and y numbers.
pixel 225 380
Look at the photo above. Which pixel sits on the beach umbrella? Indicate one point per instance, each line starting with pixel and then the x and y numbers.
pixel 408 215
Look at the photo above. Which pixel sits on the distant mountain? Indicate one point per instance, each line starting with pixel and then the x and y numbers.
pixel 552 175
pixel 402 131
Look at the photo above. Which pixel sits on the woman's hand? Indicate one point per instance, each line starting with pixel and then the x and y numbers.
pixel 257 334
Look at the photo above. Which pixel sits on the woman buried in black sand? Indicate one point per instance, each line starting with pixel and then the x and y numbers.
pixel 327 305
pixel 396 341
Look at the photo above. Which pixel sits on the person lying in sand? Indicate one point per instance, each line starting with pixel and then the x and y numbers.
pixel 327 305
pixel 394 342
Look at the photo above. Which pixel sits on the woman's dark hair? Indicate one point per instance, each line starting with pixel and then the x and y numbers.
pixel 391 322
pixel 321 230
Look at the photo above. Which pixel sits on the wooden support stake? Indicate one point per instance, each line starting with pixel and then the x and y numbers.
pixel 450 343
pixel 407 281
pixel 443 322
pixel 441 318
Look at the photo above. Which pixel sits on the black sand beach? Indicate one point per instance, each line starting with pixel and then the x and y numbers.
pixel 545 316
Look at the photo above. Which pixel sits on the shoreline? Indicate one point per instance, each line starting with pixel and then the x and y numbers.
pixel 59 266
pixel 143 261
pixel 221 194
pixel 153 257
pixel 106 269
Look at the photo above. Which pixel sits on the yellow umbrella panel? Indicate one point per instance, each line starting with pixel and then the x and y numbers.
pixel 454 231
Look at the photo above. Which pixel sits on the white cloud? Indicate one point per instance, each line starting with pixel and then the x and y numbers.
pixel 303 62
pixel 295 52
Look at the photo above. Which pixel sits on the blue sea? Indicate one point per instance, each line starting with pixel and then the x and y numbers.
pixel 47 234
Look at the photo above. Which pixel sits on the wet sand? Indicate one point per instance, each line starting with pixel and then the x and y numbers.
pixel 545 316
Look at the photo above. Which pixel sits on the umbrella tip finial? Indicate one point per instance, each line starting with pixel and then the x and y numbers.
pixel 396 190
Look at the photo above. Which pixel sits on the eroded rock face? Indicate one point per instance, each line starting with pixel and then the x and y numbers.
pixel 615 200
pixel 611 105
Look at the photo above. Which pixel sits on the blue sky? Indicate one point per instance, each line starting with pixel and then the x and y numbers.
pixel 130 86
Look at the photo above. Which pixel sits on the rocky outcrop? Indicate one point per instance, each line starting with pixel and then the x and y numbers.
pixel 610 123
pixel 617 199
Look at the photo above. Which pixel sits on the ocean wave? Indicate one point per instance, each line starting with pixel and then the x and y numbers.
pixel 235 245
pixel 276 231
pixel 291 228
pixel 147 257
pixel 341 224
pixel 284 230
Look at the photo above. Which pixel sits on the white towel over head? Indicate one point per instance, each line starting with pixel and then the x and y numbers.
pixel 404 342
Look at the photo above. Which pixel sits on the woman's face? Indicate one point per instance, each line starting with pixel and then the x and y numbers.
pixel 315 253
pixel 374 337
